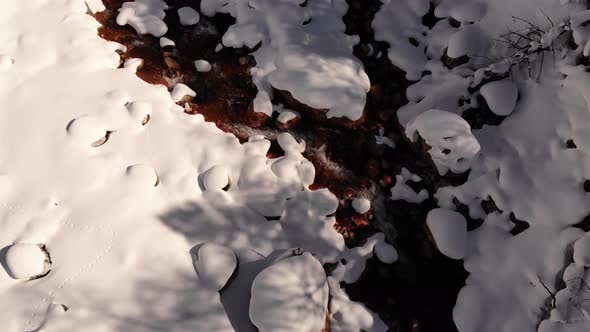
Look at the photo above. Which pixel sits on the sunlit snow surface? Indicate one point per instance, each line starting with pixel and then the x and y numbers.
pixel 121 186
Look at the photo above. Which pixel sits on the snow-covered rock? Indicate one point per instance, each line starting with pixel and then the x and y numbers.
pixel 401 191
pixel 166 42
pixel 449 229
pixel 145 16
pixel 87 130
pixel 385 252
pixel 180 90
pixel 188 16
pixel 216 178
pixel 469 40
pixel 468 11
pixel 291 295
pixel 449 136
pixel 25 261
pixel 214 264
pixel 361 205
pixel 202 66
pixel 500 96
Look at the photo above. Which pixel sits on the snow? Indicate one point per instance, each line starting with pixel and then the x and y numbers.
pixel 385 252
pixel 188 16
pixel 582 251
pixel 24 261
pixel 290 295
pixel 180 91
pixel 202 66
pixel 216 178
pixel 145 16
pixel 401 191
pixel 361 205
pixel 313 61
pixel 120 184
pixel 469 40
pixel 449 230
pixel 214 264
pixel 452 145
pixel 166 42
pixel 500 96
pixel 468 11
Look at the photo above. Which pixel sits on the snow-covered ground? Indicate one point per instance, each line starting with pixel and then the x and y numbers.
pixel 121 212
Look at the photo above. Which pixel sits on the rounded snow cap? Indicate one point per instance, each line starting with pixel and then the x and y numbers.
pixel 26 261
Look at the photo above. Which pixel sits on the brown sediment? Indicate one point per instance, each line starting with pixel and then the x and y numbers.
pixel 416 293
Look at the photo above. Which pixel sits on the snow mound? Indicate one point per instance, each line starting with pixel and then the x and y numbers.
pixel 166 42
pixel 303 50
pixel 180 91
pixel 87 130
pixel 25 261
pixel 469 40
pixel 361 205
pixel 214 264
pixel 501 96
pixel 202 66
pixel 145 16
pixel 348 316
pixel 216 178
pixel 401 191
pixel 385 252
pixel 449 230
pixel 450 138
pixel 188 16
pixel 291 295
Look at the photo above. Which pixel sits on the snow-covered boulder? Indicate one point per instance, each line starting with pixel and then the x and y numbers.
pixel 501 96
pixel 469 40
pixel 216 178
pixel 26 261
pixel 188 16
pixel 214 264
pixel 385 252
pixel 180 91
pixel 449 229
pixel 145 16
pixel 87 131
pixel 453 146
pixel 361 205
pixel 202 66
pixel 468 11
pixel 290 296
